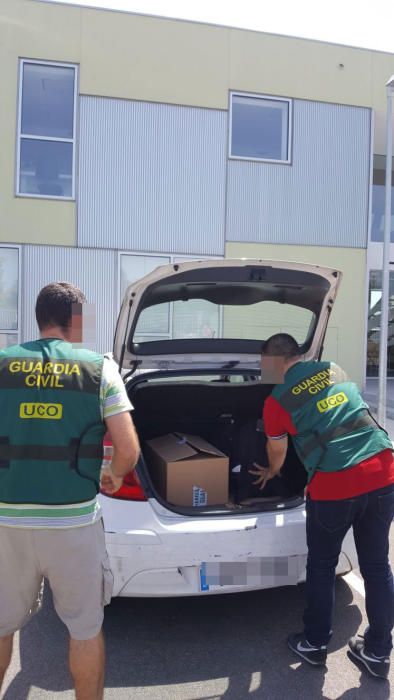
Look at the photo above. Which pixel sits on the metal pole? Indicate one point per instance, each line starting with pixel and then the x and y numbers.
pixel 384 315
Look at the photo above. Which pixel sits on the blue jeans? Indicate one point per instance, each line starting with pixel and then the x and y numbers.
pixel 327 523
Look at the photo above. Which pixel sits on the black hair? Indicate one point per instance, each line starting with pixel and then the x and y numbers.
pixel 281 345
pixel 56 304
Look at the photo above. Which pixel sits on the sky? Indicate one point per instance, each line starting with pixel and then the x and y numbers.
pixel 366 23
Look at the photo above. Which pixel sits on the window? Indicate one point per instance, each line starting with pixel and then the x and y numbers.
pixel 201 318
pixel 259 320
pixel 196 319
pixel 373 330
pixel 260 128
pixel 9 296
pixel 46 133
pixel 156 322
pixel 378 199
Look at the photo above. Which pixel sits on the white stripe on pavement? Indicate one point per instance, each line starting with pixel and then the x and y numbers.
pixel 355 582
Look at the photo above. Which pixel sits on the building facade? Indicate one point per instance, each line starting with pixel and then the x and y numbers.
pixel 131 141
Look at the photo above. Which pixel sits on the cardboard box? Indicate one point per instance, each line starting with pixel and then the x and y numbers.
pixel 187 470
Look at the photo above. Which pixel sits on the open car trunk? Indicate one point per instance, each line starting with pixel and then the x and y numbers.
pixel 202 317
pixel 226 412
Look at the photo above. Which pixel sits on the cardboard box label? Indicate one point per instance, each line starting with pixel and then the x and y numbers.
pixel 200 496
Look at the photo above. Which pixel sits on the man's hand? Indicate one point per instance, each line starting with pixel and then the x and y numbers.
pixel 264 474
pixel 110 483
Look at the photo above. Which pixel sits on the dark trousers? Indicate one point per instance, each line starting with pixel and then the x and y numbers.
pixel 327 523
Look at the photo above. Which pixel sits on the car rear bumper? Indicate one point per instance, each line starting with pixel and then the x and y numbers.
pixel 205 556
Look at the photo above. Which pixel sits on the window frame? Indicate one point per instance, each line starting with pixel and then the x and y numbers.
pixel 271 98
pixel 173 258
pixel 141 255
pixel 57 139
pixel 17 331
pixel 371 271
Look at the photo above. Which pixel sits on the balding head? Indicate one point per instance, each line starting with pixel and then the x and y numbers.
pixel 278 353
pixel 281 345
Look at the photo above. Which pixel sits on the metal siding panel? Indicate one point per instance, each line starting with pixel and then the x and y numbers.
pixel 151 177
pixel 322 198
pixel 94 271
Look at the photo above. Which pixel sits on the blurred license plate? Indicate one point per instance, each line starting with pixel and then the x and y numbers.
pixel 255 571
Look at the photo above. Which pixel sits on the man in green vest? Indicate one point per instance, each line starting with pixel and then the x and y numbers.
pixel 56 402
pixel 350 467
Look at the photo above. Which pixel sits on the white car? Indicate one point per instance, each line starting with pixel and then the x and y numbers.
pixel 188 340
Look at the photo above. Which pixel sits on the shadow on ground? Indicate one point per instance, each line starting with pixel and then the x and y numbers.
pixel 160 642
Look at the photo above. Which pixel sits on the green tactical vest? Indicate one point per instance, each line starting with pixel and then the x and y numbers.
pixel 51 429
pixel 334 427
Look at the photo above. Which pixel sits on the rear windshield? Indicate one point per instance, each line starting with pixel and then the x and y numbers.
pixel 199 318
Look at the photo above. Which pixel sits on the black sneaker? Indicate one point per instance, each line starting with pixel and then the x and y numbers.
pixel 316 656
pixel 378 666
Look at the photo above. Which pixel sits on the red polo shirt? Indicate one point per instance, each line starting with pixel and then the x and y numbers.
pixel 370 474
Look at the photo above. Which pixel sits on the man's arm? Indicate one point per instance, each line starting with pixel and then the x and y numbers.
pixel 276 451
pixel 125 443
pixel 277 425
pixel 125 451
pixel 116 409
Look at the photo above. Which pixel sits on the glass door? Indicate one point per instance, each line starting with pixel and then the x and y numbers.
pixel 373 327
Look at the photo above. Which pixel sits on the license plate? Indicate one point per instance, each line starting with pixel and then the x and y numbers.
pixel 262 572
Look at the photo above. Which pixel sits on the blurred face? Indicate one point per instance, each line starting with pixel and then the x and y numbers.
pixel 75 328
pixel 83 324
pixel 272 369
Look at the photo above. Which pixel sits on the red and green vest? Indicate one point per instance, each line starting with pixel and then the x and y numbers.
pixel 51 428
pixel 334 427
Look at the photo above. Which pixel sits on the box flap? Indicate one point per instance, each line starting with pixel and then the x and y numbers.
pixel 172 448
pixel 200 444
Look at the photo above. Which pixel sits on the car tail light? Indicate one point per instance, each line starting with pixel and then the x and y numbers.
pixel 131 489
